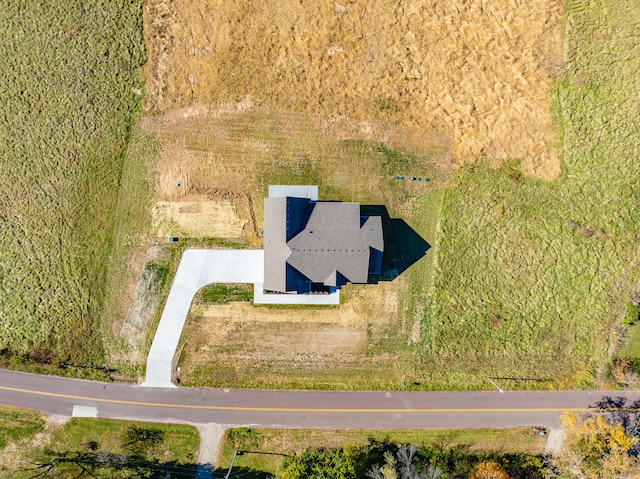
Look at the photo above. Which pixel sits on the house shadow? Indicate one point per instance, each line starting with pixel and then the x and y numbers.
pixel 402 245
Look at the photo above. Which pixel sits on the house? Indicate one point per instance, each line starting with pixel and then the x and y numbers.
pixel 317 246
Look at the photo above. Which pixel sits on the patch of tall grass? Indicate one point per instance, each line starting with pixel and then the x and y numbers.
pixel 17 424
pixel 105 448
pixel 67 99
pixel 532 276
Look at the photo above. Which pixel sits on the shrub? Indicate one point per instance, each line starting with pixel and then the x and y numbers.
pixel 489 470
pixel 632 315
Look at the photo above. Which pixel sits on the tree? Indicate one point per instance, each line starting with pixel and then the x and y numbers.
pixel 402 466
pixel 594 448
pixel 387 470
pixel 488 470
pixel 321 464
pixel 433 472
pixel 101 464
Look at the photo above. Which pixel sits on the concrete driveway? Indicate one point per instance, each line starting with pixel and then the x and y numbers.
pixel 199 268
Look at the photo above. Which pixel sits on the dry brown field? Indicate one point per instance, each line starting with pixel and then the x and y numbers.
pixel 234 84
pixel 476 72
pixel 238 344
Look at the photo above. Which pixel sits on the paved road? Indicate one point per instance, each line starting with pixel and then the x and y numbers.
pixel 329 409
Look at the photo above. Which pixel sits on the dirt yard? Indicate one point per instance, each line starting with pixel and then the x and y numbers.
pixel 297 343
pixel 196 216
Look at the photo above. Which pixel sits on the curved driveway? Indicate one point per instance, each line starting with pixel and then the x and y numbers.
pixel 197 268
pixel 330 409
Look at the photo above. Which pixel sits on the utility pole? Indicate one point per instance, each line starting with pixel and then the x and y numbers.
pixel 497 387
pixel 235 453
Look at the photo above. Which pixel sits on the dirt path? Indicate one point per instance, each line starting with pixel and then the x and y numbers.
pixel 554 441
pixel 210 439
pixel 143 307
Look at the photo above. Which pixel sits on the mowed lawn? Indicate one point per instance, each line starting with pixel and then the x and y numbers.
pixel 532 276
pixel 68 94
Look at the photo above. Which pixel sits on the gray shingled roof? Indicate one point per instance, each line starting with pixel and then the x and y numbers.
pixel 331 242
pixel 276 250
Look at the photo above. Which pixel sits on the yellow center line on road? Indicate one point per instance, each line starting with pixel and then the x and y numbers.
pixel 309 410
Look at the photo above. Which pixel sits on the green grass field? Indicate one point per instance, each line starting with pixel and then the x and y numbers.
pixel 525 279
pixel 631 349
pixel 531 276
pixel 67 99
pixel 17 424
pixel 131 238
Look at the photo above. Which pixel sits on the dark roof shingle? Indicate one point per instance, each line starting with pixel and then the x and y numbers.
pixel 324 241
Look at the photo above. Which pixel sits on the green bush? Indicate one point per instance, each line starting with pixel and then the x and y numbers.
pixel 632 315
pixel 320 464
pixel 18 359
pixel 403 461
pixel 155 275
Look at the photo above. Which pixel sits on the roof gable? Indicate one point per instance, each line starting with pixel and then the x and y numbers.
pixel 333 242
pixel 298 211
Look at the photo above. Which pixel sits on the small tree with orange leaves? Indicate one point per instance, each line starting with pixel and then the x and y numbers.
pixel 488 470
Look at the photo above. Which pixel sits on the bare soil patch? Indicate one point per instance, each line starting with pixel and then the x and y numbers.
pixel 136 257
pixel 216 164
pixel 477 72
pixel 282 334
pixel 301 341
pixel 143 303
pixel 196 216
